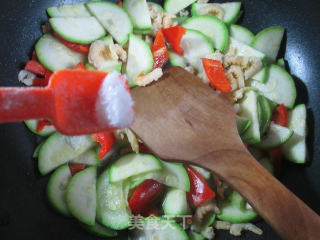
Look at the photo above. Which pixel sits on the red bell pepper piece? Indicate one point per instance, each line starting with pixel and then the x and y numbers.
pixel 75 168
pixel 144 195
pixel 276 159
pixel 215 73
pixel 77 47
pixel 143 148
pixel 35 67
pixel 42 123
pixel 42 82
pixel 159 51
pixel 173 36
pixel 106 141
pixel 80 66
pixel 119 3
pixel 200 192
pixel 280 116
pixel 151 211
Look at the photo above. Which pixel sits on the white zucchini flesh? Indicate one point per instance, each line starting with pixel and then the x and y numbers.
pixel 89 158
pixel 55 56
pixel 140 59
pixel 276 136
pixel 295 150
pixel 139 13
pixel 81 196
pixel 32 126
pixel 279 88
pixel 249 110
pixel 195 46
pixel 83 30
pixel 212 27
pixel 175 6
pixel 73 10
pixel 262 75
pixel 175 203
pixel 113 18
pixel 268 41
pixel 177 60
pixel 241 34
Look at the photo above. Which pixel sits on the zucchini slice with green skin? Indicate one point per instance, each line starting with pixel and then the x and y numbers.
pixel 295 149
pixel 281 62
pixel 195 46
pixel 241 34
pixel 268 41
pixel 195 236
pixel 37 150
pixel 57 187
pixel 143 32
pixel 113 18
pixel 140 59
pixel 133 164
pixel 159 228
pixel 139 13
pixel 59 149
pixel 177 60
pixel 175 203
pixel 99 230
pixel 249 110
pixel 73 10
pixel 112 204
pixel 243 124
pixel 81 196
pixel 262 75
pixel 276 136
pixel 89 158
pixel 212 27
pixel 32 126
pixel 82 30
pixel 54 55
pixel 175 6
pixel 279 88
pixel 265 114
pixel 172 175
pixel 156 5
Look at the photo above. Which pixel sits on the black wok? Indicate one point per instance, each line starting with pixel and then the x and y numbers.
pixel 24 211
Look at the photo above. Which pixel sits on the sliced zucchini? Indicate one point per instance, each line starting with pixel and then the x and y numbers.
pixel 177 60
pixel 82 30
pixel 37 150
pixel 156 5
pixel 175 203
pixel 279 88
pixel 295 149
pixel 99 230
pixel 116 66
pixel 57 187
pixel 59 149
pixel 195 236
pixel 241 34
pixel 203 172
pixel 113 18
pixel 73 10
pixel 249 110
pixel 243 124
pixel 140 59
pixel 32 126
pixel 143 32
pixel 133 164
pixel 55 56
pixel 268 41
pixel 139 13
pixel 175 6
pixel 281 62
pixel 180 20
pixel 89 158
pixel 262 75
pixel 195 46
pixel 81 196
pixel 159 228
pixel 172 175
pixel 212 27
pixel 112 205
pixel 265 113
pixel 276 136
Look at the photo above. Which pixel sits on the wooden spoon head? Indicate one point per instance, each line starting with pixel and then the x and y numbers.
pixel 180 118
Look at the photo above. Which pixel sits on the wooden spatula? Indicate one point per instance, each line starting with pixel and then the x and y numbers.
pixel 181 119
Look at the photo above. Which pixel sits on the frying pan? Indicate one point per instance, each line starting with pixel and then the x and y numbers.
pixel 24 211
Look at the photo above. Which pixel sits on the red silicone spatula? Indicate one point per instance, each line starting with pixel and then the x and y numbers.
pixel 74 101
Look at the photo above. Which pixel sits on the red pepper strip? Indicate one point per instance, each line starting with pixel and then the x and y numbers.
pixel 159 51
pixel 119 3
pixel 80 66
pixel 34 56
pixel 42 82
pixel 143 148
pixel 151 211
pixel 276 159
pixel 173 36
pixel 75 168
pixel 215 73
pixel 42 124
pixel 106 141
pixel 35 67
pixel 200 192
pixel 80 48
pixel 280 116
pixel 144 195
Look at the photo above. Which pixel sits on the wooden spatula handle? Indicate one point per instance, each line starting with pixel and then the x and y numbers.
pixel 287 214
